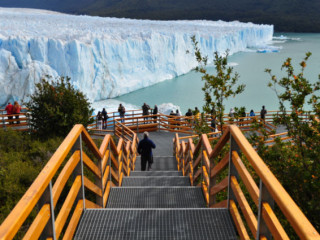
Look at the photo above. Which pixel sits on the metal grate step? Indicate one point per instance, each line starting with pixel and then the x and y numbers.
pixel 155 181
pixel 155 173
pixel 160 163
pixel 156 197
pixel 156 224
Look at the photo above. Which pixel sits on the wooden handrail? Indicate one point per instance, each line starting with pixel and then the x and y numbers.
pixel 101 169
pixel 289 208
pixel 291 211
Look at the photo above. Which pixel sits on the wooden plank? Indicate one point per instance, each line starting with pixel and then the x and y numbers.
pixel 105 160
pixel 198 172
pixel 73 224
pixel 197 161
pixel 91 165
pixel 90 144
pixel 121 177
pixel 220 166
pixel 106 193
pixel 244 206
pixel 206 161
pixel 21 211
pixel 105 144
pixel 64 176
pixel 220 144
pixel 205 176
pixel 222 204
pixel 106 176
pixel 114 175
pixel 38 223
pixel 67 205
pixel 246 178
pixel 298 220
pixel 206 144
pixel 205 192
pixel 114 161
pixel 91 205
pixel 219 186
pixel 92 187
pixel 273 223
pixel 238 221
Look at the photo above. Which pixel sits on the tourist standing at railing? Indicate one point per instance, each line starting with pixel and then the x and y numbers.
pixel 121 111
pixel 9 109
pixel 145 150
pixel 189 113
pixel 17 110
pixel 104 118
pixel 263 113
pixel 99 120
pixel 155 112
pixel 145 110
pixel 252 114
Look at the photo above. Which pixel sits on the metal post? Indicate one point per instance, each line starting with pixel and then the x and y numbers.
pixel 264 197
pixel 114 125
pixel 79 170
pixel 232 169
pixel 46 198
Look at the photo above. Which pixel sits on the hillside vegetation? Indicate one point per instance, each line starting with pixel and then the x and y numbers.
pixel 293 16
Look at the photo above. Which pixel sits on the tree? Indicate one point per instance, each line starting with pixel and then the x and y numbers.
pixel 296 163
pixel 56 106
pixel 219 87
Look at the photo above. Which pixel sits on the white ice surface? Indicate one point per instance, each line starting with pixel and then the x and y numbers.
pixel 108 57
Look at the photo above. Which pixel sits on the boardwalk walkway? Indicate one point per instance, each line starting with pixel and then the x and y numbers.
pixel 157 204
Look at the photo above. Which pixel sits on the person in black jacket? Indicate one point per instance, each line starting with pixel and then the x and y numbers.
pixel 145 150
pixel 155 112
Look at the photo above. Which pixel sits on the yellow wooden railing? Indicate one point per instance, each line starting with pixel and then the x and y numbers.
pixel 201 165
pixel 108 165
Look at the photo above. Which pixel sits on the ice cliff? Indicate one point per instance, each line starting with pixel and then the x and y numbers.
pixel 107 57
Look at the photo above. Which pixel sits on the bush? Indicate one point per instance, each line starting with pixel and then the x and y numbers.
pixel 56 107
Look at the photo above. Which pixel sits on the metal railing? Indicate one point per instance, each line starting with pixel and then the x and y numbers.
pixel 201 164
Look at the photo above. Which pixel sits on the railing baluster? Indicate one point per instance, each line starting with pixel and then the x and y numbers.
pixel 264 196
pixel 46 198
pixel 232 169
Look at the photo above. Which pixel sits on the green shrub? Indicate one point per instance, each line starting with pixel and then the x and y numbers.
pixel 56 106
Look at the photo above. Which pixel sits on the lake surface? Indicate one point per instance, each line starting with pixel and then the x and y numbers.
pixel 185 91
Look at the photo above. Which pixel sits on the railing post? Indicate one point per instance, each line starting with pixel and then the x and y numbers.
pixel 46 198
pixel 79 171
pixel 114 125
pixel 232 169
pixel 158 119
pixel 264 197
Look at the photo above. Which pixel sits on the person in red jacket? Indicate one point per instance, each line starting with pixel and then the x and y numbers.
pixel 9 109
pixel 17 110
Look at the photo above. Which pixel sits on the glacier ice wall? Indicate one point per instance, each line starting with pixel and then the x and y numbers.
pixel 107 57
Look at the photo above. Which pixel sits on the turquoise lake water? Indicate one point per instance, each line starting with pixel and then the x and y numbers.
pixel 185 91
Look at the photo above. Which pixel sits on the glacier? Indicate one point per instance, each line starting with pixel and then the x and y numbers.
pixel 108 57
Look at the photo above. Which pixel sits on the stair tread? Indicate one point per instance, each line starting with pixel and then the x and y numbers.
pixel 156 181
pixel 156 224
pixel 155 173
pixel 156 197
pixel 160 163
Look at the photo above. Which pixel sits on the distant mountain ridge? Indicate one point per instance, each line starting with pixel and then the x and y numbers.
pixel 290 16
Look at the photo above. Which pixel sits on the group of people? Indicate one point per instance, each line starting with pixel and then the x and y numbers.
pixel 146 110
pixel 263 113
pixel 102 118
pixel 13 110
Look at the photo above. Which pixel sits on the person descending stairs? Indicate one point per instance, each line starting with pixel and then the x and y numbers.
pixel 157 204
